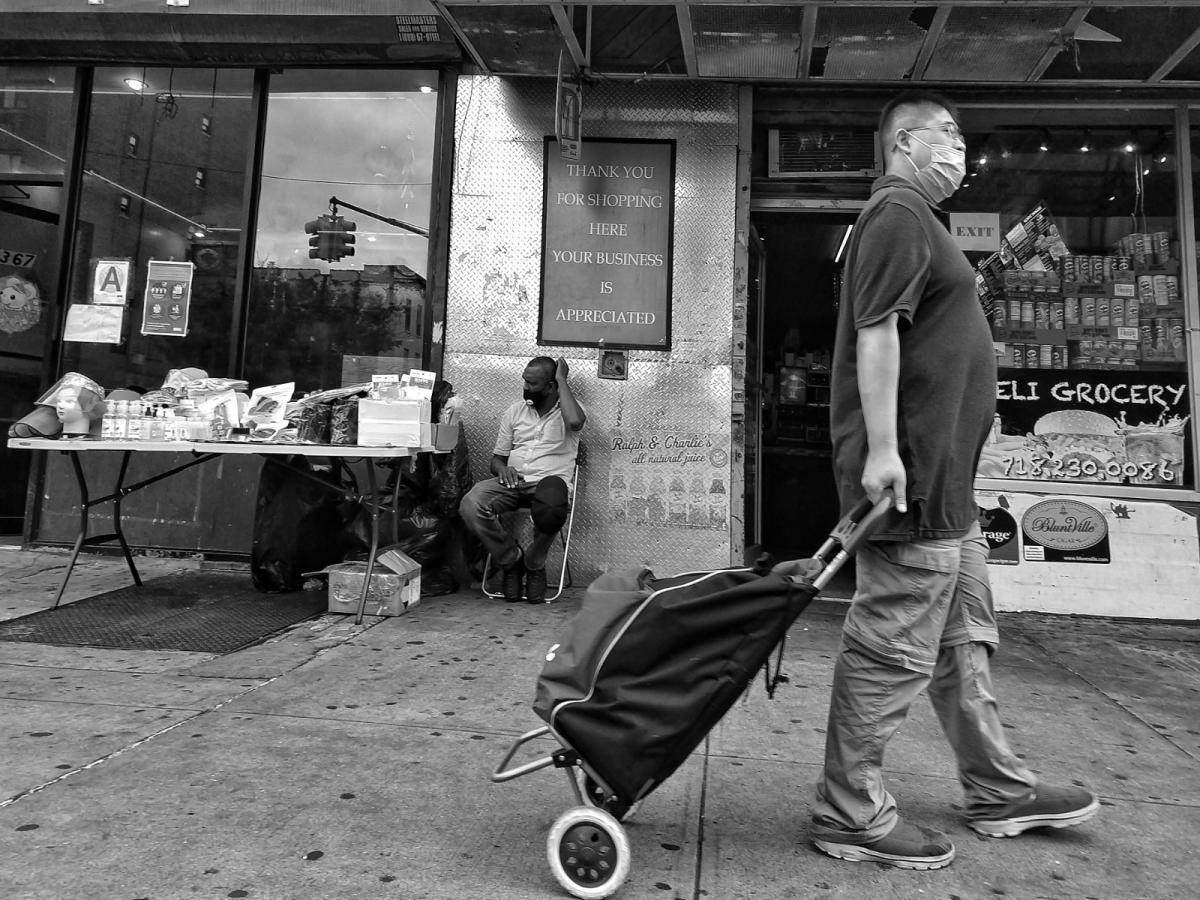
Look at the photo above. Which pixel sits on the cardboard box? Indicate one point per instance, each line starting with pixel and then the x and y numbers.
pixel 391 423
pixel 445 437
pixel 389 434
pixel 391 593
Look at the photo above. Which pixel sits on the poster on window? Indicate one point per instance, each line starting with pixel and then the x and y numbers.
pixel 674 478
pixel 168 297
pixel 1110 427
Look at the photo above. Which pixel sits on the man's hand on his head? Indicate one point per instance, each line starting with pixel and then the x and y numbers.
pixel 560 372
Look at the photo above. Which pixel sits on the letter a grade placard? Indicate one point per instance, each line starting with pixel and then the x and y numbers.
pixel 606 245
pixel 110 282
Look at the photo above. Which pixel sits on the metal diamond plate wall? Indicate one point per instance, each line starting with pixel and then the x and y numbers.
pixel 657 482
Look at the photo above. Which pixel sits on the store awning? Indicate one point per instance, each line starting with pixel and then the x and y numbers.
pixel 1140 42
pixel 1088 43
pixel 226 32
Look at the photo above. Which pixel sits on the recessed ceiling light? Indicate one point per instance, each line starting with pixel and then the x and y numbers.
pixel 135 84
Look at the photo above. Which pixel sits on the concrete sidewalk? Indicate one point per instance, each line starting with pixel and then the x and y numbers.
pixel 343 761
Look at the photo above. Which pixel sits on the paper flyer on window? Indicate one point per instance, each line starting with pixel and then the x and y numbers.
pixel 89 323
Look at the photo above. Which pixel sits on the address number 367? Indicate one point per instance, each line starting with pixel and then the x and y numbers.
pixel 15 258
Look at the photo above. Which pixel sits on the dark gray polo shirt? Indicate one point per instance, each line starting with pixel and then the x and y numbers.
pixel 902 259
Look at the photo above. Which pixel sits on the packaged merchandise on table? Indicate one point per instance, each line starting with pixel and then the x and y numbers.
pixel 343 422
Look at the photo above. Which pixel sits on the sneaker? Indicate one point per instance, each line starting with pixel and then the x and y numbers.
pixel 513 581
pixel 904 847
pixel 1046 807
pixel 535 585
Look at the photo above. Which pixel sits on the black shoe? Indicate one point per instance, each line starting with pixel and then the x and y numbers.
pixel 1047 807
pixel 535 585
pixel 904 847
pixel 513 581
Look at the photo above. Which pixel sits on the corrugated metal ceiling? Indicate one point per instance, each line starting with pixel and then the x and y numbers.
pixel 1149 42
pixel 869 42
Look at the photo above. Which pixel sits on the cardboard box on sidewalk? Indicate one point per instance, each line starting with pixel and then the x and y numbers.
pixel 391 593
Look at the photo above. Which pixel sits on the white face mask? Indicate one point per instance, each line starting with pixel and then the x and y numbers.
pixel 946 170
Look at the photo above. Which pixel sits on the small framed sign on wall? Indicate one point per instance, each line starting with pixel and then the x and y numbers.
pixel 606 244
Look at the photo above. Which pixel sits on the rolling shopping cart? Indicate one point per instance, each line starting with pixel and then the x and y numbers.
pixel 643 672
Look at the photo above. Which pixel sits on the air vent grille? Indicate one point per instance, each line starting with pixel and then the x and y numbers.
pixel 822 153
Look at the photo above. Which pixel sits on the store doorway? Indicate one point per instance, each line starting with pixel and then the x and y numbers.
pixel 792 503
pixel 28 239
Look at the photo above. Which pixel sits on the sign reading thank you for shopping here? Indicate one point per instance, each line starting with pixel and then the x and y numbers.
pixel 606 245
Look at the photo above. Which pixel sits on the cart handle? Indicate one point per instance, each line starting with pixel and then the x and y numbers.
pixel 861 522
pixel 503 774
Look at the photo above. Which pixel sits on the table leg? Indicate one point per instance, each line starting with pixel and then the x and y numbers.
pixel 372 509
pixel 117 530
pixel 85 505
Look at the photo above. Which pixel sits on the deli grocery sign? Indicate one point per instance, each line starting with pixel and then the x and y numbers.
pixel 606 245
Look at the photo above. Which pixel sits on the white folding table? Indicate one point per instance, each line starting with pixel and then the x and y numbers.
pixel 203 451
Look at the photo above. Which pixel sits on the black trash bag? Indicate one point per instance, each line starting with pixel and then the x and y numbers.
pixel 425 524
pixel 356 534
pixel 449 479
pixel 297 524
pixel 420 535
pixel 442 391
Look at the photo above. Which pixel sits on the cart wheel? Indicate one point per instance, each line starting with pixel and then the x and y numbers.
pixel 594 795
pixel 588 853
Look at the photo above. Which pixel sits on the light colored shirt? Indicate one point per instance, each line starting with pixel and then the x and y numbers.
pixel 537 446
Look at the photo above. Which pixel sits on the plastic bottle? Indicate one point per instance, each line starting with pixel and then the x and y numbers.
pixel 170 425
pixel 133 421
pixel 108 422
pixel 157 431
pixel 146 412
pixel 201 427
pixel 120 414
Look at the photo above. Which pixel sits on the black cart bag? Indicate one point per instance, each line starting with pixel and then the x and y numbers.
pixel 648 666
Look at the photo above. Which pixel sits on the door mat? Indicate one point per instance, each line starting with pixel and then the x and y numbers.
pixel 201 612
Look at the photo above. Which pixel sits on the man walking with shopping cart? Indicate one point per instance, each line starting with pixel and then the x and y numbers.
pixel 913 395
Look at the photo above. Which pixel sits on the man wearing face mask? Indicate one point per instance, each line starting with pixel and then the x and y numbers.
pixel 532 462
pixel 913 395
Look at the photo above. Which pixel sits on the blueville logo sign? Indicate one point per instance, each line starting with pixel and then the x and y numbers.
pixel 1065 531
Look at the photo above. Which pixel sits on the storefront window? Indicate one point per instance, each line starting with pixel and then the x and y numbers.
pixel 160 224
pixel 365 138
pixel 1071 219
pixel 35 134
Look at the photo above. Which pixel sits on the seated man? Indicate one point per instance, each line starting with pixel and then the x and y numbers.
pixel 533 460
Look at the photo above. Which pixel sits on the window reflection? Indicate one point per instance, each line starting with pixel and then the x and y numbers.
pixel 1083 293
pixel 365 138
pixel 141 201
pixel 35 134
pixel 35 104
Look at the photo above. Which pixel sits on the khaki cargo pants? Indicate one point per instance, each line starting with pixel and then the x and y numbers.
pixel 922 619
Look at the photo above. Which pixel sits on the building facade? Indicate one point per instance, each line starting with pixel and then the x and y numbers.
pixel 211 143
